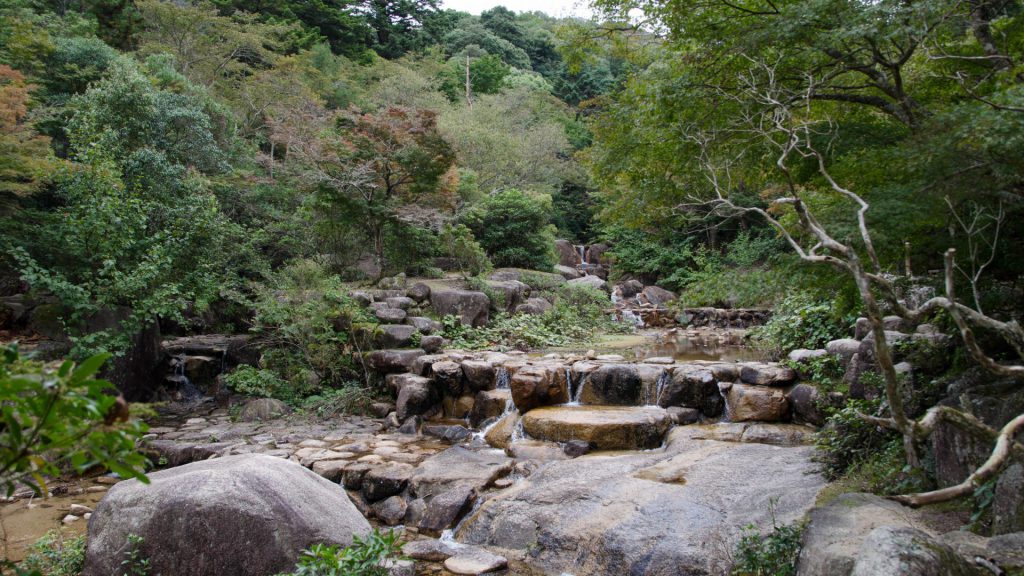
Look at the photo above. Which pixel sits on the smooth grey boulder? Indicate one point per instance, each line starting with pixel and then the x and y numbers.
pixel 390 315
pixel 391 361
pixel 594 282
pixel 394 335
pixel 662 513
pixel 263 409
pixel 424 325
pixel 472 308
pixel 240 515
pixel 657 295
pixel 534 306
pixel 568 272
pixel 401 302
pixel 832 541
pixel 433 343
pixel 419 292
pixel 905 551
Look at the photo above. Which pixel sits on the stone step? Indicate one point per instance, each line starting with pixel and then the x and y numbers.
pixel 605 427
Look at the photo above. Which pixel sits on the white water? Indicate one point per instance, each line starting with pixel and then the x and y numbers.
pixel 574 395
pixel 652 396
pixel 502 381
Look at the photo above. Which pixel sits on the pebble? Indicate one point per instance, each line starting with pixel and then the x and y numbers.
pixel 79 510
pixel 70 518
pixel 107 480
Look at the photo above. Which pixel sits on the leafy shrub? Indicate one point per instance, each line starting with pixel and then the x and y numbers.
pixel 576 317
pixel 302 314
pixel 824 372
pixel 258 382
pixel 135 562
pixel 771 554
pixel 513 228
pixel 365 557
pixel 800 321
pixel 55 555
pixel 59 418
pixel 847 440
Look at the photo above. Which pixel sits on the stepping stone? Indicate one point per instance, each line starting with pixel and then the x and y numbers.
pixel 474 561
pixel 606 427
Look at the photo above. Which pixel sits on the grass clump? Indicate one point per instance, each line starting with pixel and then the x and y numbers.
pixel 774 553
pixel 55 554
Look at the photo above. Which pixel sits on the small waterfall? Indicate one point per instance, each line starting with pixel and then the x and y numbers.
pixel 576 394
pixel 188 390
pixel 573 393
pixel 502 380
pixel 726 417
pixel 518 433
pixel 652 397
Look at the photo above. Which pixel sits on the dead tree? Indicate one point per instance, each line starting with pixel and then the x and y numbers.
pixel 775 117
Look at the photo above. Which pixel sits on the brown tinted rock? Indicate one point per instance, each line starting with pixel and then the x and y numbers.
pixel 567 254
pixel 1008 503
pixel 489 404
pixel 394 335
pixel 390 315
pixel 500 434
pixel 415 398
pixel 203 518
pixel 448 375
pixel 474 561
pixel 606 427
pixel 658 296
pixel 534 386
pixel 756 403
pixel 391 361
pixel 567 272
pixel 429 550
pixel 692 387
pixel 478 374
pixel 767 374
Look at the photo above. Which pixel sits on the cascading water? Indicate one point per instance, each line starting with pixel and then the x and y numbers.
pixel 726 417
pixel 188 390
pixel 502 381
pixel 652 397
pixel 624 312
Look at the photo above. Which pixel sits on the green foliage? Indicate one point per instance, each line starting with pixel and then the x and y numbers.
pixel 577 317
pixel 513 228
pixel 301 314
pixel 801 321
pixel 55 419
pixel 259 382
pixel 365 557
pixel 847 440
pixel 55 555
pixel 824 372
pixel 135 563
pixel 457 242
pixel 768 554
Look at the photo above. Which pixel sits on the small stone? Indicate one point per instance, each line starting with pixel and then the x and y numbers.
pixel 330 469
pixel 79 510
pixel 575 448
pixel 474 561
pixel 391 510
pixel 429 550
pixel 70 518
pixel 107 480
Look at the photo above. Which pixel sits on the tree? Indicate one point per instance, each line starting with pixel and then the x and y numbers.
pixel 513 228
pixel 382 170
pixel 397 23
pixel 60 418
pixel 134 223
pixel 25 156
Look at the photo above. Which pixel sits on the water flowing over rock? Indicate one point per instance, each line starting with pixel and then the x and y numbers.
pixel 204 518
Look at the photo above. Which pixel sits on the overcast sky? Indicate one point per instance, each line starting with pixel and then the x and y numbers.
pixel 551 7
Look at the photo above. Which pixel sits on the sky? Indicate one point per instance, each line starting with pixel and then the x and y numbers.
pixel 551 7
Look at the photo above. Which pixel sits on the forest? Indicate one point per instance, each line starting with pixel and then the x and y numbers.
pixel 826 196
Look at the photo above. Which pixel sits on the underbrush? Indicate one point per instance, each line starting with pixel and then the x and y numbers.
pixel 55 554
pixel 365 557
pixel 303 319
pixel 773 553
pixel 801 321
pixel 577 316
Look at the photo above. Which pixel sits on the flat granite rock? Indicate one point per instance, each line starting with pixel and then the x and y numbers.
pixel 677 510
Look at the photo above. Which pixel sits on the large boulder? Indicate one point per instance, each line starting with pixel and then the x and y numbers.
pixel 660 513
pixel 762 374
pixel 394 335
pixel 534 306
pixel 507 295
pixel 658 296
pixel 904 551
pixel 419 292
pixel 590 281
pixel 834 535
pixel 479 374
pixel 239 515
pixel 692 387
pixel 458 466
pixel 567 272
pixel 567 254
pixel 416 398
pixel 472 308
pixel 425 325
pixel 392 361
pixel 1008 501
pixel 747 403
pixel 805 401
pixel 260 409
pixel 606 427
pixel 613 384
pixel 489 404
pixel 535 385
